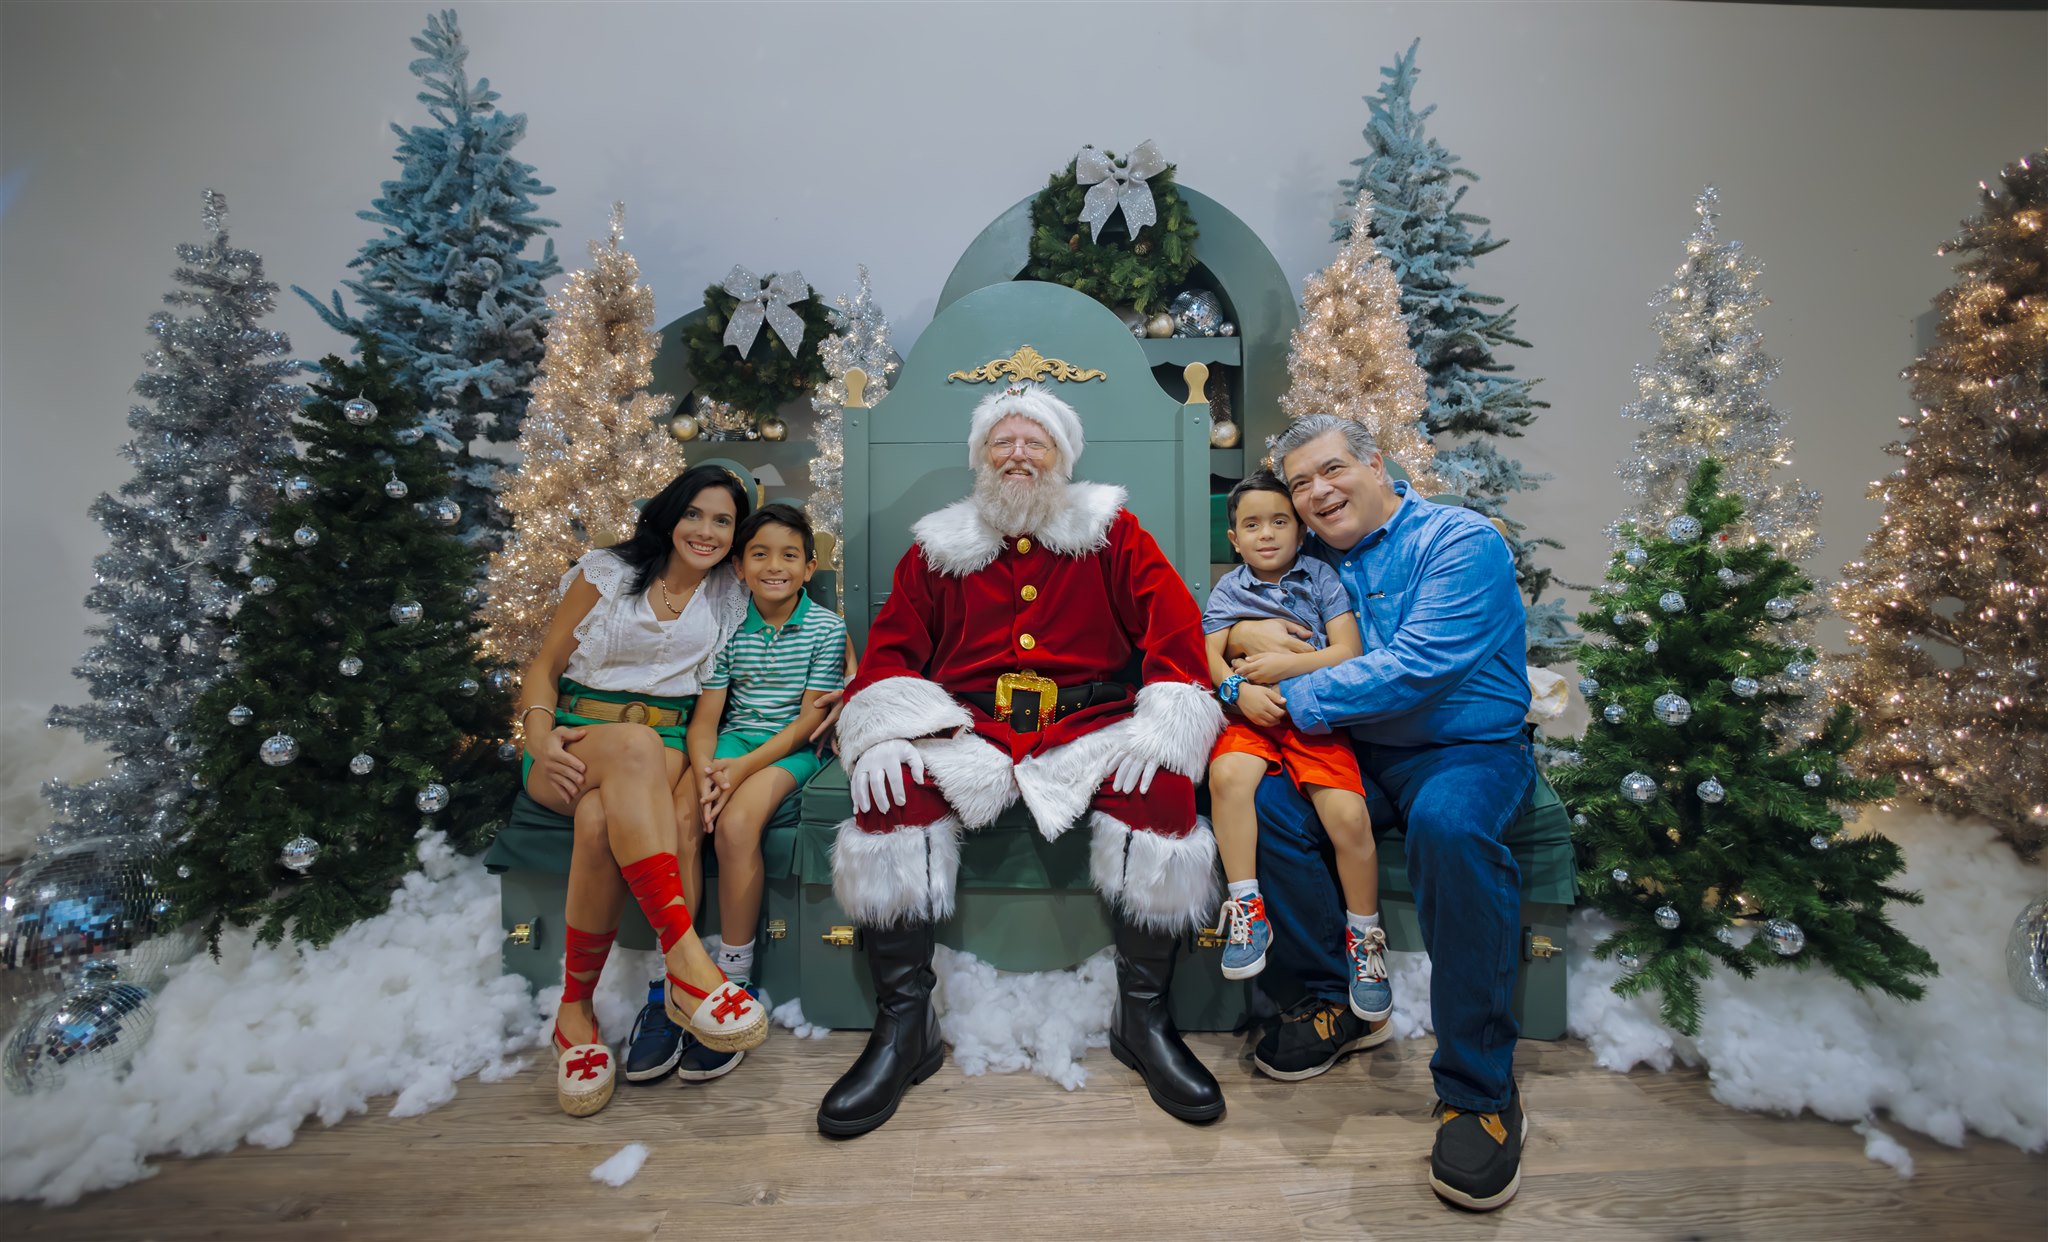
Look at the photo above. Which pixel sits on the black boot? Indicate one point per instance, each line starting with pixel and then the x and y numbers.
pixel 904 1048
pixel 1142 1034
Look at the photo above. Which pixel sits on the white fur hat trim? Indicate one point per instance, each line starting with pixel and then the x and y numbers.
pixel 1041 407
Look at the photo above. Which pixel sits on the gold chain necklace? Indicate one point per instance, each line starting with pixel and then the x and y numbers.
pixel 668 603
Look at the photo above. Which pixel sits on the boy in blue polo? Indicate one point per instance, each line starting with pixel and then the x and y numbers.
pixel 749 733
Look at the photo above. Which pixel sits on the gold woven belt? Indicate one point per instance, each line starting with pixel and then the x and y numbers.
pixel 634 712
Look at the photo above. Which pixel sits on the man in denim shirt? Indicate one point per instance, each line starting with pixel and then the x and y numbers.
pixel 1435 708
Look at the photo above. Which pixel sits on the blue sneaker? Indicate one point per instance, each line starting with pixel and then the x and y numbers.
pixel 702 1064
pixel 1372 996
pixel 1246 936
pixel 656 1044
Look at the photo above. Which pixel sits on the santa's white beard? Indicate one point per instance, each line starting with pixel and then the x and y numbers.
pixel 1018 506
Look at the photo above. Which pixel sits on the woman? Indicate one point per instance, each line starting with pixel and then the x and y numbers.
pixel 618 672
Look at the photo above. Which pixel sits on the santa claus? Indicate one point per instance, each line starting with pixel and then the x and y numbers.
pixel 1037 645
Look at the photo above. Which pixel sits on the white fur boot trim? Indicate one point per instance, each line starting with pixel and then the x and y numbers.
pixel 1159 883
pixel 905 876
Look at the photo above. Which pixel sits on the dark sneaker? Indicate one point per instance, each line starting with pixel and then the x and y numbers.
pixel 655 1045
pixel 1313 1035
pixel 702 1064
pixel 1477 1162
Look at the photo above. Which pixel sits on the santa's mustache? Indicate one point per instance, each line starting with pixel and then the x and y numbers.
pixel 1014 503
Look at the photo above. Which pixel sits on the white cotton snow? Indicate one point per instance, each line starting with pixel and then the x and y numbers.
pixel 622 1167
pixel 790 1015
pixel 404 1005
pixel 1045 1022
pixel 1967 1057
pixel 1883 1148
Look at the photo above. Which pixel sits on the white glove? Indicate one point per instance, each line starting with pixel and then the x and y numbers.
pixel 1134 771
pixel 878 776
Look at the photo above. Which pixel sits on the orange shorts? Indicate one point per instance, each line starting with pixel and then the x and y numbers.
pixel 1325 760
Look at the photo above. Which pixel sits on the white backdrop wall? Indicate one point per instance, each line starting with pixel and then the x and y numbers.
pixel 1846 143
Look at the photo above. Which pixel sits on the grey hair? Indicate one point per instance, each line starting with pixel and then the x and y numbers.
pixel 1357 436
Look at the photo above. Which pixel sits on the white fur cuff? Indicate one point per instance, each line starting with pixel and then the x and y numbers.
pixel 896 707
pixel 906 876
pixel 1159 883
pixel 1177 723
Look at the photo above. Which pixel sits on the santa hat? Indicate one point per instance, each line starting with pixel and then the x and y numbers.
pixel 1038 405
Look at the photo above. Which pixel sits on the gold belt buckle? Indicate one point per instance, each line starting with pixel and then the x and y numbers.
pixel 1047 690
pixel 634 712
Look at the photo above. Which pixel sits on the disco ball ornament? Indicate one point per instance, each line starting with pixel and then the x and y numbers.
pixel 773 428
pixel 1798 669
pixel 174 743
pixel 300 853
pixel 1671 601
pixel 1138 329
pixel 1726 935
pixel 1682 529
pixel 409 435
pixel 359 410
pixel 1226 328
pixel 1726 575
pixel 362 765
pixel 508 752
pixel 395 488
pixel 1619 618
pixel 1636 556
pixel 1588 687
pixel 279 749
pixel 231 648
pixel 95 1029
pixel 262 584
pixel 1627 960
pixel 1778 608
pixel 407 612
pixel 1667 917
pixel 1745 687
pixel 305 536
pixel 444 512
pixel 1672 709
pixel 241 714
pixel 500 679
pixel 1817 841
pixel 1638 788
pixel 431 799
pixel 467 687
pixel 1710 790
pixel 1579 820
pixel 1223 433
pixel 1812 780
pixel 1196 312
pixel 299 488
pixel 350 665
pixel 2026 954
pixel 1615 713
pixel 1652 646
pixel 1784 937
pixel 1620 875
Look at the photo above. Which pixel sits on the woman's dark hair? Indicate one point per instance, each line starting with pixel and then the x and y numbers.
pixel 778 514
pixel 1257 481
pixel 652 541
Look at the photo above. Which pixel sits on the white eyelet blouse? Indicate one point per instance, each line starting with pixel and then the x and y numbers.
pixel 621 645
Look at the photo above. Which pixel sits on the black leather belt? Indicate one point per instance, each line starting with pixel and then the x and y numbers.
pixel 1026 708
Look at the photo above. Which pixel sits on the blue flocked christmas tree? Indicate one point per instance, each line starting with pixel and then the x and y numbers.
pixel 455 307
pixel 1417 224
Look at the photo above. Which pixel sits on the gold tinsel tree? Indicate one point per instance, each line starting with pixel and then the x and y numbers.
pixel 1947 600
pixel 1350 356
pixel 591 445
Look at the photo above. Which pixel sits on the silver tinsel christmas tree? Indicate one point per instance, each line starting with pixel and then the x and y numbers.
pixel 1704 397
pixel 861 340
pixel 220 395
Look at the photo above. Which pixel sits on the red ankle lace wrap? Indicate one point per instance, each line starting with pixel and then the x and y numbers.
pixel 584 953
pixel 657 884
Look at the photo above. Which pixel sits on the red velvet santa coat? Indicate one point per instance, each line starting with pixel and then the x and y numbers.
pixel 1071 601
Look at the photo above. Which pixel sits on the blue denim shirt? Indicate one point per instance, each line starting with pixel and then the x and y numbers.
pixel 1445 649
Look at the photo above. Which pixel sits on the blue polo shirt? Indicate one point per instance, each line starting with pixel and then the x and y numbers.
pixel 1442 619
pixel 1310 592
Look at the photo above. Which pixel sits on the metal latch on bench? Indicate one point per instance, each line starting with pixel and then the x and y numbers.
pixel 527 934
pixel 841 936
pixel 1535 946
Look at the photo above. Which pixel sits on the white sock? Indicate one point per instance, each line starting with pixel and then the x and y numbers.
pixel 737 960
pixel 1241 889
pixel 1361 923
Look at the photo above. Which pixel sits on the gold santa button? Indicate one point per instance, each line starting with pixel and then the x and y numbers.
pixel 1029 593
pixel 1023 545
pixel 1026 641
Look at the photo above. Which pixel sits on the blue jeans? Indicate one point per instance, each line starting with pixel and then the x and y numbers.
pixel 1457 803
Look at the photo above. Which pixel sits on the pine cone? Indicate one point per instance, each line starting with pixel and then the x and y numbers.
pixel 1074 242
pixel 1143 247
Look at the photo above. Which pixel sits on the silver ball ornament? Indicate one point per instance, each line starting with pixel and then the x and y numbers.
pixel 1778 608
pixel 1671 601
pixel 1744 687
pixel 1639 788
pixel 499 679
pixel 431 799
pixel 278 749
pixel 1620 875
pixel 2026 954
pixel 1579 820
pixel 467 687
pixel 362 765
pixel 1726 935
pixel 444 512
pixel 1682 529
pixel 1226 328
pixel 407 612
pixel 1798 669
pixel 300 853
pixel 1652 646
pixel 1619 618
pixel 395 488
pixel 508 752
pixel 1223 433
pixel 1138 329
pixel 1812 780
pixel 1636 556
pixel 1614 713
pixel 1588 687
pixel 299 488
pixel 1672 709
pixel 1726 575
pixel 262 584
pixel 350 665
pixel 305 536
pixel 1627 960
pixel 359 410
pixel 1666 916
pixel 241 714
pixel 1710 790
pixel 1817 841
pixel 1784 937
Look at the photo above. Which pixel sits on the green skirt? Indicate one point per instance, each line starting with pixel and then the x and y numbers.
pixel 565 689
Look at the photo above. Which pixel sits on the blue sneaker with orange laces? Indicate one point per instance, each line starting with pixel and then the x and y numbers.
pixel 1246 936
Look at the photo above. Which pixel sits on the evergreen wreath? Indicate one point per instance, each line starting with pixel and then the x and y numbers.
pixel 1116 269
pixel 769 376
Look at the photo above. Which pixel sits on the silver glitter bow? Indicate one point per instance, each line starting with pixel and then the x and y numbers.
pixel 1112 185
pixel 770 303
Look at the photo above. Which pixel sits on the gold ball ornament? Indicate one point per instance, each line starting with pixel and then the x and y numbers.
pixel 1224 434
pixel 1159 326
pixel 773 428
pixel 684 427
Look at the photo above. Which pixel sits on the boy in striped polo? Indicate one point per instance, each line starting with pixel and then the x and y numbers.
pixel 748 736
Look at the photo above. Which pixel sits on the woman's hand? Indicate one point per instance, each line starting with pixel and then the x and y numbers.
pixel 557 769
pixel 1268 668
pixel 1262 705
pixel 1269 634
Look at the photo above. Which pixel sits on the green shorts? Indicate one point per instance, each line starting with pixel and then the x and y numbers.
pixel 671 735
pixel 803 763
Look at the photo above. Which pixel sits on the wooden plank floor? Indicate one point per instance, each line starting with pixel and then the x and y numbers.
pixel 1641 1156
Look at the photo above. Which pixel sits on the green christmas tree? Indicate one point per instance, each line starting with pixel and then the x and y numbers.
pixel 356 713
pixel 1693 828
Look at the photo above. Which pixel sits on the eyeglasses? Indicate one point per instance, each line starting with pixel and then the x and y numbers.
pixel 1032 448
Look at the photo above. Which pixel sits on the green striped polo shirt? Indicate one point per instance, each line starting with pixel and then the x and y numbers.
pixel 765 669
